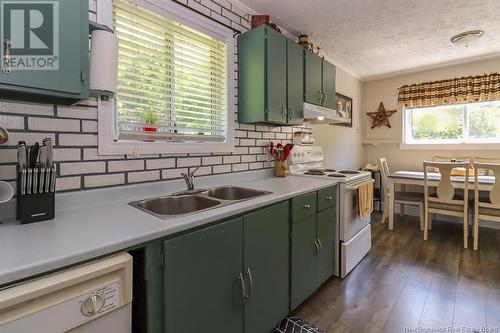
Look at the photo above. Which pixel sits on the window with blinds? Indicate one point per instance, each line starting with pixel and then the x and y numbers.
pixel 172 79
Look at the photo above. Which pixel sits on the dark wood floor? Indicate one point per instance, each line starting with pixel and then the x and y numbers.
pixel 405 284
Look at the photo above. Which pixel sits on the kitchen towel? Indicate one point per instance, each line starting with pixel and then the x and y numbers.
pixel 295 325
pixel 365 199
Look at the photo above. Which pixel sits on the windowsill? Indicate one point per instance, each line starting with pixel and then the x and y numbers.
pixel 449 146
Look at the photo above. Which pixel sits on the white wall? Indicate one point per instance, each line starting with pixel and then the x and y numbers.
pixel 342 145
pixel 385 142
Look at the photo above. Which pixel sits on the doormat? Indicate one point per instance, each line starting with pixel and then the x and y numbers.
pixel 295 325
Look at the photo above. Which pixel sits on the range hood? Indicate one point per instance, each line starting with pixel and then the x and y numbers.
pixel 315 114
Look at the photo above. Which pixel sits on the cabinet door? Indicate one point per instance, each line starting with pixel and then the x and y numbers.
pixel 326 240
pixel 202 291
pixel 329 99
pixel 266 267
pixel 303 261
pixel 313 79
pixel 72 45
pixel 295 83
pixel 276 77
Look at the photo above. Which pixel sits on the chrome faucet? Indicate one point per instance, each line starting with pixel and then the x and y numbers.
pixel 189 178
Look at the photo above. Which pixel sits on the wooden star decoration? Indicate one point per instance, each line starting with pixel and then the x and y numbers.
pixel 380 117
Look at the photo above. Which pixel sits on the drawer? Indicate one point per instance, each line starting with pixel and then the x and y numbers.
pixel 327 198
pixel 303 206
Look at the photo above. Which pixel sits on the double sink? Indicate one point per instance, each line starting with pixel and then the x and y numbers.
pixel 188 203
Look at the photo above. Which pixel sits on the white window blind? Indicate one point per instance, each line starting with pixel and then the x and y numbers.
pixel 172 80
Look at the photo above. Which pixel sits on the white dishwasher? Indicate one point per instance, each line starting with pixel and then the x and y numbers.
pixel 90 298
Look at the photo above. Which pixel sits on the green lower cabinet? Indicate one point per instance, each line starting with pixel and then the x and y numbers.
pixel 303 261
pixel 202 289
pixel 266 267
pixel 326 239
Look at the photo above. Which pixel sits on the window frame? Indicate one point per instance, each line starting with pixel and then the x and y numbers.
pixel 107 142
pixel 456 144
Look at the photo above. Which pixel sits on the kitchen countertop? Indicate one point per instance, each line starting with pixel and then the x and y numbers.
pixel 93 223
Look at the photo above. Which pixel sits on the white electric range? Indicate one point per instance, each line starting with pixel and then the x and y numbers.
pixel 354 232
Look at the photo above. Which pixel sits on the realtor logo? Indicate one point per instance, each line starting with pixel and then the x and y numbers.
pixel 30 34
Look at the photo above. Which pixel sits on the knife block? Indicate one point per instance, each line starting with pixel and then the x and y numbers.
pixel 34 207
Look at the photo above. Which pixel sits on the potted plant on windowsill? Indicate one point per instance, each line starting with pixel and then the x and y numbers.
pixel 150 118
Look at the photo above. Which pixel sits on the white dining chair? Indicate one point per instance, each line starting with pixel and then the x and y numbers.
pixel 486 203
pixel 447 200
pixel 400 197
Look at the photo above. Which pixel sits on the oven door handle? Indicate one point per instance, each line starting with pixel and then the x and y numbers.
pixel 355 187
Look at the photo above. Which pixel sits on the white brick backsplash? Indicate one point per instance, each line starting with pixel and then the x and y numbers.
pixel 188 162
pixel 104 180
pixel 77 140
pixel 51 124
pixel 79 168
pixel 8 155
pixel 255 135
pixel 77 112
pixel 62 154
pixel 68 183
pixel 74 133
pixel 211 160
pixel 248 158
pixel 256 165
pixel 7 172
pixel 221 168
pixel 163 163
pixel 92 154
pixel 26 108
pixel 12 122
pixel 115 166
pixel 89 126
pixel 247 142
pixel 240 167
pixel 29 137
pixel 172 173
pixel 231 159
pixel 143 176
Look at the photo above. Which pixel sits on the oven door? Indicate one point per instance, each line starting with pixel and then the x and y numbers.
pixel 350 222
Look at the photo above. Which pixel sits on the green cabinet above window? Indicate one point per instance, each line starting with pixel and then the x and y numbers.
pixel 319 81
pixel 270 78
pixel 52 65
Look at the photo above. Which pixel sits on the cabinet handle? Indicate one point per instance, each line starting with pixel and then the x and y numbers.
pixel 243 287
pixel 307 206
pixel 320 244
pixel 317 246
pixel 326 98
pixel 250 279
pixel 283 111
pixel 291 112
pixel 320 97
pixel 329 197
pixel 7 59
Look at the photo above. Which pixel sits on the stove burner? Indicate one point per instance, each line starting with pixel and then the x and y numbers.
pixel 329 170
pixel 314 172
pixel 337 175
pixel 349 172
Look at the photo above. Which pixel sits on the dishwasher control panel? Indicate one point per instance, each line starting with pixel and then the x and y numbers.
pixel 99 301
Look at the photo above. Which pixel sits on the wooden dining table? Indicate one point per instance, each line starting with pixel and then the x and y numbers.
pixel 404 178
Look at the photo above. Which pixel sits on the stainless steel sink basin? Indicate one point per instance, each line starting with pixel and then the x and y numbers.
pixel 233 193
pixel 174 206
pixel 178 205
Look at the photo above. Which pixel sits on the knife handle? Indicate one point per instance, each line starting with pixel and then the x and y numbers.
pixel 29 180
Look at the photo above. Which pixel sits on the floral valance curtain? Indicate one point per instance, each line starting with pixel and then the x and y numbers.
pixel 459 90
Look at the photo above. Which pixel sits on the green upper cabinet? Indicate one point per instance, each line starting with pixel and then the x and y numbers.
pixel 62 40
pixel 202 280
pixel 266 267
pixel 319 80
pixel 270 78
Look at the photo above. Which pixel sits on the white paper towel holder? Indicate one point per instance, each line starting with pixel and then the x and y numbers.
pixel 103 77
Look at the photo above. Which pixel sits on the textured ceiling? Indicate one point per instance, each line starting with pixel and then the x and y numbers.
pixel 381 38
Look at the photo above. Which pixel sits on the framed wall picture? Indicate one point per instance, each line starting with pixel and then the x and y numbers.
pixel 344 109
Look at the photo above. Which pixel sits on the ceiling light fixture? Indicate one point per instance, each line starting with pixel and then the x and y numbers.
pixel 467 37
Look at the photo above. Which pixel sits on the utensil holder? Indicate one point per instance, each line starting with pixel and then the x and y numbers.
pixel 280 168
pixel 34 207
